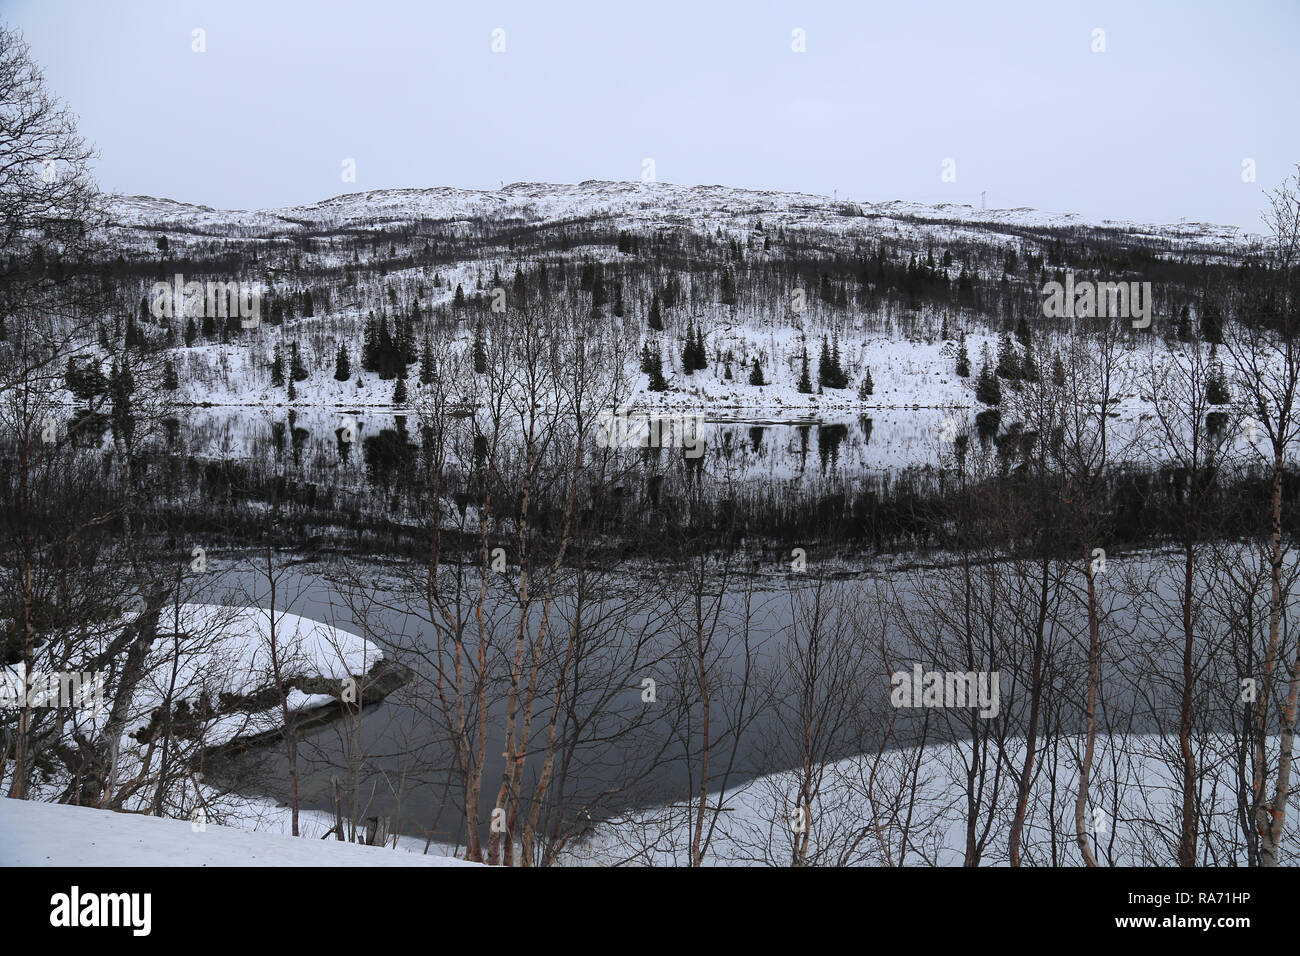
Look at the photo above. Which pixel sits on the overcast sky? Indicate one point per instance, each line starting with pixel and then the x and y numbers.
pixel 1153 129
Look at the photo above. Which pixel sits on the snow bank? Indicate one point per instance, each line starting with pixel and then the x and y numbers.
pixel 50 834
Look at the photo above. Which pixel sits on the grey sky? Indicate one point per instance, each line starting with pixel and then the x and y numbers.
pixel 1154 129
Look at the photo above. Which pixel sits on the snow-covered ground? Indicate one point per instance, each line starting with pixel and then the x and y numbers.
pixel 226 650
pixel 907 807
pixel 33 833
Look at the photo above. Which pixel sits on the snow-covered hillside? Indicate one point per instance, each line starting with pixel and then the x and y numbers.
pixel 641 204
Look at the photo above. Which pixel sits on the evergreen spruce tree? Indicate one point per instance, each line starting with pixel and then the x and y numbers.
pixel 342 368
pixel 171 381
pixel 805 382
pixel 987 388
pixel 867 387
pixel 1022 330
pixel 298 371
pixel 965 290
pixel 293 392
pixel 406 350
pixel 459 300
pixel 387 350
pixel 963 358
pixel 277 368
pixel 399 392
pixel 480 348
pixel 427 370
pixel 840 377
pixel 1058 370
pixel 655 320
pixel 1008 358
pixel 657 381
pixel 1029 368
pixel 756 374
pixel 370 345
pixel 1217 391
pixel 1211 322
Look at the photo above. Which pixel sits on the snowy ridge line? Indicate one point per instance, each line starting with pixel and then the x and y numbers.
pixel 651 203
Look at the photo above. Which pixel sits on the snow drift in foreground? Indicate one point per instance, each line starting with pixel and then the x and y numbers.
pixel 33 833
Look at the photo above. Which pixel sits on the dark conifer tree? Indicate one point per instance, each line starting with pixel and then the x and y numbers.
pixel 657 381
pixel 277 367
pixel 987 388
pixel 298 371
pixel 480 348
pixel 428 371
pixel 655 319
pixel 1008 358
pixel 728 288
pixel 805 382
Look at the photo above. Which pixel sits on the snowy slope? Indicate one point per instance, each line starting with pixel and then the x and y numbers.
pixel 50 834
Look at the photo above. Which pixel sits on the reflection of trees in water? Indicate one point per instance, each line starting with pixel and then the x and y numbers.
pixel 865 423
pixel 829 438
pixel 390 457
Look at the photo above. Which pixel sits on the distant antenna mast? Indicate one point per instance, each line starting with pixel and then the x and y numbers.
pixel 983 204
